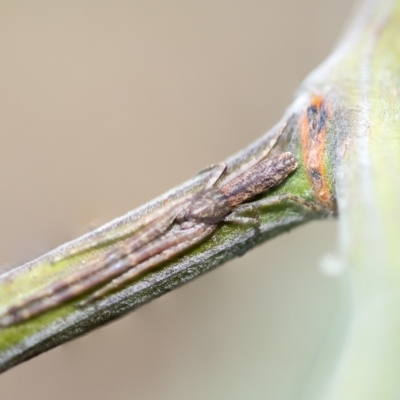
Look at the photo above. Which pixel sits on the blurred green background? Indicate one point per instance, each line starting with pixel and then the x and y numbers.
pixel 106 104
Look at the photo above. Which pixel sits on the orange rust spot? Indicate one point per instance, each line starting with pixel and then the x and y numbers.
pixel 313 129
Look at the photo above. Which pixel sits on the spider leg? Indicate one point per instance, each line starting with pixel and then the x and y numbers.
pixel 64 289
pixel 257 158
pixel 128 230
pixel 115 264
pixel 218 171
pixel 194 237
pixel 241 220
pixel 152 249
pixel 278 199
pixel 270 145
pixel 238 218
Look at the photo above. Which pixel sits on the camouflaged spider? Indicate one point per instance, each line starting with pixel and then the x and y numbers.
pixel 168 232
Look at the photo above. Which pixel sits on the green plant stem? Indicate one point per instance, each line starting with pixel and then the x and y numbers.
pixel 66 321
pixel 361 85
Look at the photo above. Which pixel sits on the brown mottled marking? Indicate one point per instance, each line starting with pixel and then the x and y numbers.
pixel 313 130
pixel 266 174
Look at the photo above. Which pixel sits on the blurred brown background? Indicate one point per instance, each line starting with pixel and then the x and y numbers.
pixel 106 104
